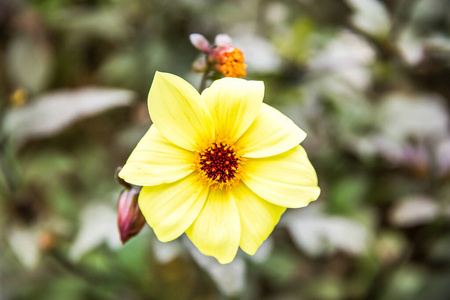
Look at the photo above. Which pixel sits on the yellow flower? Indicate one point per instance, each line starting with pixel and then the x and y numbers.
pixel 221 166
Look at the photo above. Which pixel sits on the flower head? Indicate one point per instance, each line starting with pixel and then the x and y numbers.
pixel 228 60
pixel 221 166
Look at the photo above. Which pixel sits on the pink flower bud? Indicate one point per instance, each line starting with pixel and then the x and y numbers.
pixel 200 42
pixel 129 217
pixel 199 65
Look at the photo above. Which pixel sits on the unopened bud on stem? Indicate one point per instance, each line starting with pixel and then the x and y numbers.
pixel 200 42
pixel 129 217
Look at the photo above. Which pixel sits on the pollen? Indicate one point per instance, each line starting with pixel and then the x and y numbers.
pixel 220 167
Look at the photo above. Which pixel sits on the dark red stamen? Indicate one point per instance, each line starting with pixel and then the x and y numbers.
pixel 219 162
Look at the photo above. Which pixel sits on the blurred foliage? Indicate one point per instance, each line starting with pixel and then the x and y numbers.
pixel 368 80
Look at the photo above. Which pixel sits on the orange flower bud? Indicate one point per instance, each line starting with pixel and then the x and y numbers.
pixel 228 60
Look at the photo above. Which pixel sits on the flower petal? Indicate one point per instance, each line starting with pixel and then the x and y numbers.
pixel 287 179
pixel 217 230
pixel 233 104
pixel 271 133
pixel 155 160
pixel 178 112
pixel 258 217
pixel 171 208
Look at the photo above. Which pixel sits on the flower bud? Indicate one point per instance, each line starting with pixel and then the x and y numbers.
pixel 228 60
pixel 129 217
pixel 199 65
pixel 200 42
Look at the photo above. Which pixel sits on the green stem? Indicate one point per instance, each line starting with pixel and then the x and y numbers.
pixel 204 79
pixel 9 166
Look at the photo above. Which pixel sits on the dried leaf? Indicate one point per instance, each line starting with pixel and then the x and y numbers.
pixel 52 113
pixel 413 210
pixel 317 234
pixel 98 226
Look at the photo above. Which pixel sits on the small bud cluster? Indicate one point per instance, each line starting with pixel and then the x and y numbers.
pixel 220 57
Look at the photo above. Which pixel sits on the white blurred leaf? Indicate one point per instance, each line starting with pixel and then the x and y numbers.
pixel 342 67
pixel 411 48
pixel 29 63
pixel 346 235
pixel 316 233
pixel 229 278
pixel 371 17
pixel 52 113
pixel 276 13
pixel 413 210
pixel 390 149
pixel 422 116
pixel 24 243
pixel 438 43
pixel 307 233
pixel 399 153
pixel 260 55
pixel 346 50
pixel 361 146
pixel 263 252
pixel 166 252
pixel 98 226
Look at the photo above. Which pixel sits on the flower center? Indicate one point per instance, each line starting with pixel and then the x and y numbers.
pixel 219 165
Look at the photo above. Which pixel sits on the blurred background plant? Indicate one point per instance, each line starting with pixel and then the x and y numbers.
pixel 368 80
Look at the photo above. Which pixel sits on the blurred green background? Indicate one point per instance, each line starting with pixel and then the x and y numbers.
pixel 367 80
